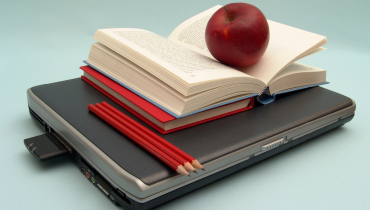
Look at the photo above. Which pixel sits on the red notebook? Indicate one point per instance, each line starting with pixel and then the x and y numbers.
pixel 151 114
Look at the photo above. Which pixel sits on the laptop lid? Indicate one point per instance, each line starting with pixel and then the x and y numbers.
pixel 219 144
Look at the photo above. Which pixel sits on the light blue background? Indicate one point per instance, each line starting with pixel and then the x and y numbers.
pixel 46 41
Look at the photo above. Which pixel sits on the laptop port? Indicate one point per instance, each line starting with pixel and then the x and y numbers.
pixel 36 117
pixel 103 189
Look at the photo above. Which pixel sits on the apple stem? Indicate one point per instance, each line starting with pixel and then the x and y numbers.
pixel 228 13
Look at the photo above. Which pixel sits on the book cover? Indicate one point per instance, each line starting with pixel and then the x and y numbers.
pixel 146 106
pixel 161 107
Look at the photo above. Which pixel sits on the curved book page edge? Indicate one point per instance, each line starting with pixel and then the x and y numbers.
pixel 266 97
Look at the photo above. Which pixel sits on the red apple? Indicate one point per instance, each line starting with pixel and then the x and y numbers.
pixel 237 34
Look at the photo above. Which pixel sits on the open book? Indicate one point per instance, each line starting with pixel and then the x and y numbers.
pixel 180 76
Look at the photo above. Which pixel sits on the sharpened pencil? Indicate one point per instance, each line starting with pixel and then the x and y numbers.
pixel 123 119
pixel 175 165
pixel 195 163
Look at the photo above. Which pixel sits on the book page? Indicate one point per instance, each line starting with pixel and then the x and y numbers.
pixel 182 62
pixel 297 75
pixel 296 68
pixel 287 44
pixel 191 33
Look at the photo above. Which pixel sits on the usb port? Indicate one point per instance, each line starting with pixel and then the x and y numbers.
pixel 102 189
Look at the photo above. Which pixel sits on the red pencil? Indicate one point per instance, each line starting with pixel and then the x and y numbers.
pixel 155 137
pixel 141 141
pixel 140 132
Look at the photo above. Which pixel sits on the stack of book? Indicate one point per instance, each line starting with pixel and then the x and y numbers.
pixel 175 83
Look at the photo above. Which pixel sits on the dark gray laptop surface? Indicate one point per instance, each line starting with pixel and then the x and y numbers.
pixel 134 179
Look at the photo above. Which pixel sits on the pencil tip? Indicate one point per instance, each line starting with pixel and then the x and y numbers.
pixel 188 166
pixel 195 172
pixel 182 170
pixel 197 165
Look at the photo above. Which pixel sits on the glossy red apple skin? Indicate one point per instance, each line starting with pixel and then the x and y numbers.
pixel 240 41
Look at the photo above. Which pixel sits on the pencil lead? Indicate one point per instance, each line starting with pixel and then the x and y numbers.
pixel 195 171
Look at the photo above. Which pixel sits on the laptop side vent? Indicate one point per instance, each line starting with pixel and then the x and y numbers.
pixel 40 121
